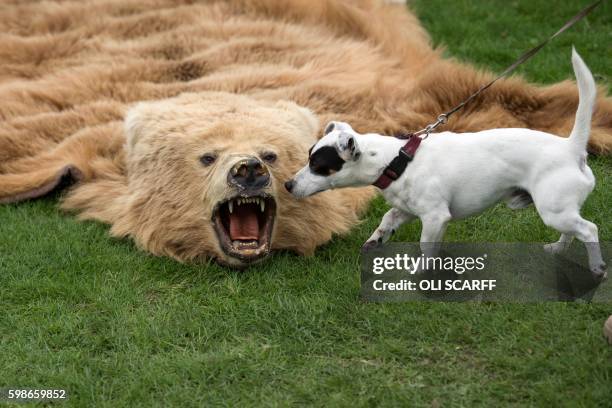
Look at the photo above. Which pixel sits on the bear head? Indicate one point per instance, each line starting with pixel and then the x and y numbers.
pixel 205 176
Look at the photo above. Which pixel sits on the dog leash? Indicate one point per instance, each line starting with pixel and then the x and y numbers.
pixel 443 118
pixel 399 163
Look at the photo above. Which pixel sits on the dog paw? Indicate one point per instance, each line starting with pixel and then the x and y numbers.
pixel 369 245
pixel 600 272
pixel 554 248
pixel 416 271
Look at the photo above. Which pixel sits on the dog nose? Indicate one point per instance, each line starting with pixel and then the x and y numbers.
pixel 249 173
pixel 289 185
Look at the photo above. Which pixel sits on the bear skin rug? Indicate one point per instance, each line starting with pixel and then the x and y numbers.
pixel 148 108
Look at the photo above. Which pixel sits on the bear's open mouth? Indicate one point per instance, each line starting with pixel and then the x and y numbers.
pixel 244 226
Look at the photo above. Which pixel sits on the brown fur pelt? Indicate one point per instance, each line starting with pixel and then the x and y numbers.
pixel 69 70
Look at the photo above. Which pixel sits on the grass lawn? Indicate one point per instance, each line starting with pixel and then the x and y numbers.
pixel 116 327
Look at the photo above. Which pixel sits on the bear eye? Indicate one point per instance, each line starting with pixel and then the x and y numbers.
pixel 208 159
pixel 269 157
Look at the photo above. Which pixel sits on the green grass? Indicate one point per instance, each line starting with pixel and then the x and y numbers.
pixel 116 327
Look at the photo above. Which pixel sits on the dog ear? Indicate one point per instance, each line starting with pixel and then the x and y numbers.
pixel 329 127
pixel 347 146
pixel 335 125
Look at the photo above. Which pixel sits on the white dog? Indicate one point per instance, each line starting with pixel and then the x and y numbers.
pixel 457 175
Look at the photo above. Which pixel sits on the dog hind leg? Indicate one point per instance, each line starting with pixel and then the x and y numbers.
pixel 570 223
pixel 561 245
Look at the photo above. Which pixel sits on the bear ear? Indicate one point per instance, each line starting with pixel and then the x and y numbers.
pixel 134 123
pixel 301 116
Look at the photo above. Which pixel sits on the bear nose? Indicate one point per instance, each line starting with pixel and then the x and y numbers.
pixel 249 173
pixel 289 185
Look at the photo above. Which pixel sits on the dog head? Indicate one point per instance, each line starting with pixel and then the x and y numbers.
pixel 333 162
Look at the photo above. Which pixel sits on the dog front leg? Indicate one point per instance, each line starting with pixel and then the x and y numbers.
pixel 434 227
pixel 391 221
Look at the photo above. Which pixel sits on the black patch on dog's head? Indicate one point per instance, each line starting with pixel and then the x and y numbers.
pixel 325 161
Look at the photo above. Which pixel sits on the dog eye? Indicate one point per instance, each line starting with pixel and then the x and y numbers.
pixel 269 157
pixel 208 159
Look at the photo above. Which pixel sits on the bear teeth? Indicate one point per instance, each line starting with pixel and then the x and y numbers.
pixel 251 200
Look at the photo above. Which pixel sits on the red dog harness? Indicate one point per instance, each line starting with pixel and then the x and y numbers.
pixel 394 170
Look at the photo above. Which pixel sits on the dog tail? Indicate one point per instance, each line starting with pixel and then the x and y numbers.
pixel 587 92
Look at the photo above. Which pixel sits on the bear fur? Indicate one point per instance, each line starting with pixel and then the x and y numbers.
pixel 165 141
pixel 122 97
